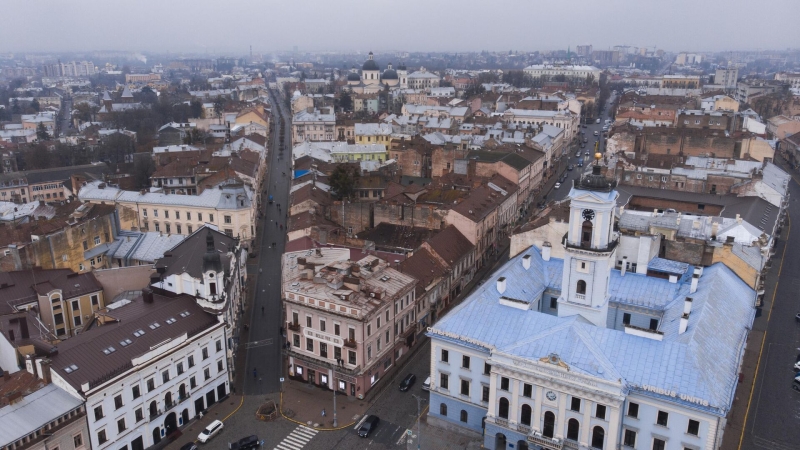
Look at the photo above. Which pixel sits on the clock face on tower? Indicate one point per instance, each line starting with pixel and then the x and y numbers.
pixel 551 396
pixel 588 214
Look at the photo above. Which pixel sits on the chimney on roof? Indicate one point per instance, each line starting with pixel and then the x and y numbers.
pixel 526 261
pixel 687 305
pixel 684 324
pixel 714 229
pixel 44 369
pixel 693 286
pixel 624 267
pixel 147 295
pixel 738 218
pixel 501 285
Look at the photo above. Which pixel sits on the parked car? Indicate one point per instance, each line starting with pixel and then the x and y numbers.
pixel 598 121
pixel 578 155
pixel 597 133
pixel 586 153
pixel 211 430
pixel 797 366
pixel 189 446
pixel 570 167
pixel 426 385
pixel 407 382
pixel 796 384
pixel 245 443
pixel 558 185
pixel 368 426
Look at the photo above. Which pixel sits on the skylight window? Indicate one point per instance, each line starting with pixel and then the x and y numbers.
pixel 154 325
pixel 125 342
pixel 185 314
pixel 170 321
pixel 138 333
pixel 70 368
pixel 109 350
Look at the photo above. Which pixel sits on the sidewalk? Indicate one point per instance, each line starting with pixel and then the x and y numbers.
pixel 218 411
pixel 440 439
pixel 303 403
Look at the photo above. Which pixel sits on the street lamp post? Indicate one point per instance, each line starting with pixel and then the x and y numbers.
pixel 335 422
pixel 419 413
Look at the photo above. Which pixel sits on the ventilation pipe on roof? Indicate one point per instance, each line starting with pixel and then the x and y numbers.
pixel 501 285
pixel 546 249
pixel 147 295
pixel 714 229
pixel 693 287
pixel 624 267
pixel 687 305
pixel 684 324
pixel 738 218
pixel 526 262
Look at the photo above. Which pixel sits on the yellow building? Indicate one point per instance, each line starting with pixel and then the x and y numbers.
pixel 373 133
pixel 680 82
pixel 66 300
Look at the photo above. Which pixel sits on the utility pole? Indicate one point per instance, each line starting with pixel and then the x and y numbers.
pixel 419 414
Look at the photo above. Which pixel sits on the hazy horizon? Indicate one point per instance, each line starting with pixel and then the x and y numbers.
pixel 414 26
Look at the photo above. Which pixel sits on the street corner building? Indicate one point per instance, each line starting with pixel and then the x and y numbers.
pixel 576 353
pixel 143 368
pixel 349 323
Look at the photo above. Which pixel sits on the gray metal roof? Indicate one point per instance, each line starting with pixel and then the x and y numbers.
pixel 33 412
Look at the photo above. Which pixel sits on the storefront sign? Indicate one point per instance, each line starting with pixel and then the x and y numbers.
pixel 337 341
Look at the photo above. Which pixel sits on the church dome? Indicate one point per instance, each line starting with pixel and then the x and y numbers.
pixel 402 66
pixel 370 64
pixel 389 73
pixel 352 76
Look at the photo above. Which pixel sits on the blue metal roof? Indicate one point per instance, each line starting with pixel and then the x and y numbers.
pixel 667 266
pixel 701 363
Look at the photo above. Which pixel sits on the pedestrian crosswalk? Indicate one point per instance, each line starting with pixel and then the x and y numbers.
pixel 297 439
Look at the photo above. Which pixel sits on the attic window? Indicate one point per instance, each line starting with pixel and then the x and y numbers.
pixel 109 350
pixel 125 342
pixel 385 278
pixel 185 314
pixel 71 368
pixel 154 325
pixel 170 321
pixel 138 333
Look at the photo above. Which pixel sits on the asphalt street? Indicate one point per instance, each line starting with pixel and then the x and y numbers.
pixel 586 153
pixel 774 410
pixel 263 368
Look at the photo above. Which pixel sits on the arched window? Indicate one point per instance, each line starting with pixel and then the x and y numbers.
pixel 598 436
pixel 503 408
pixel 573 429
pixel 586 233
pixel 525 417
pixel 153 408
pixel 549 424
pixel 464 416
pixel 443 409
pixel 580 288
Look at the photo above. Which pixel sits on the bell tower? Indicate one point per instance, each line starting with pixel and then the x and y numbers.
pixel 589 248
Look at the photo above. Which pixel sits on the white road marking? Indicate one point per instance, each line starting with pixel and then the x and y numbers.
pixel 297 439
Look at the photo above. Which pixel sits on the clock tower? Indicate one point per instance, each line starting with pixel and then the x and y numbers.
pixel 589 248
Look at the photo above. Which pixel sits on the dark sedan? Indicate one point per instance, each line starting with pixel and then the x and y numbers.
pixel 368 426
pixel 407 382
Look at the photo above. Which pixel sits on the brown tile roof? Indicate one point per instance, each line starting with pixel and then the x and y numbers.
pixel 450 245
pixel 307 220
pixel 396 236
pixel 483 199
pixel 308 192
pixel 423 266
pixel 21 233
pixel 20 287
pixel 113 326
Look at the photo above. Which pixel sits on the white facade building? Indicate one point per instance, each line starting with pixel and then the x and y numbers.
pixel 572 354
pixel 145 369
pixel 567 70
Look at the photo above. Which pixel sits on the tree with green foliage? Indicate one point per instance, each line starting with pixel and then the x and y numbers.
pixel 343 181
pixel 41 132
pixel 346 101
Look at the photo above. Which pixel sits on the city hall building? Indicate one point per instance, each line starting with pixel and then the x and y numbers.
pixel 575 353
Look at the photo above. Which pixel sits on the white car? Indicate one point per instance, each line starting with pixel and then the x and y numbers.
pixel 211 430
pixel 558 185
pixel 797 366
pixel 426 386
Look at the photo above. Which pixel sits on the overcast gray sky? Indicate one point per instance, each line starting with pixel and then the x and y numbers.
pixel 379 25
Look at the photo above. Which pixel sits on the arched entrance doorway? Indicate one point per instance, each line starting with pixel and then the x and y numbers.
pixel 171 422
pixel 500 441
pixel 522 445
pixel 184 416
pixel 156 435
